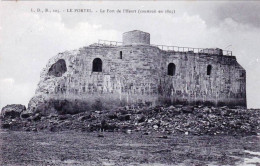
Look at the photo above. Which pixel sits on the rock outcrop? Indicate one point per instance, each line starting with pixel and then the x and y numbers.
pixel 176 119
pixel 12 111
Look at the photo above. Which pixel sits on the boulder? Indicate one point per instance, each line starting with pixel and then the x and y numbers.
pixel 25 114
pixel 112 115
pixel 141 119
pixel 5 125
pixel 12 111
pixel 37 117
pixel 125 117
pixel 85 117
pixel 187 109
pixel 64 117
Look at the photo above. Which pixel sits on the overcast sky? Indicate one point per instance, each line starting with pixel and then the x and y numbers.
pixel 28 40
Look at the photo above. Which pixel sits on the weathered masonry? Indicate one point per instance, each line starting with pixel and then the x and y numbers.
pixel 134 72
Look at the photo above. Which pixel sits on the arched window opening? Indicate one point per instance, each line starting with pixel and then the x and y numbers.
pixel 97 65
pixel 171 69
pixel 121 55
pixel 209 68
pixel 58 68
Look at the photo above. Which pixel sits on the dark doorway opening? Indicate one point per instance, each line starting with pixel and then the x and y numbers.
pixel 171 69
pixel 209 68
pixel 97 65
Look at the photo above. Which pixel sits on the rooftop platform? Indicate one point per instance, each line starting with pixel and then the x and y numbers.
pixel 213 51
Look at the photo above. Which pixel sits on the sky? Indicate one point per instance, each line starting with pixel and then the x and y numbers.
pixel 29 39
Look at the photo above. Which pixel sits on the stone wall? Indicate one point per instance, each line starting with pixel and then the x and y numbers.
pixel 132 79
pixel 133 74
pixel 225 85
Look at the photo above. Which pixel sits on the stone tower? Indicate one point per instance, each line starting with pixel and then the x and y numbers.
pixel 136 38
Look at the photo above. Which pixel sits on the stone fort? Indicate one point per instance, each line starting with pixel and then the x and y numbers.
pixel 136 72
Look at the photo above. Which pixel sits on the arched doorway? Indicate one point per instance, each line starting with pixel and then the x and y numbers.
pixel 97 65
pixel 171 69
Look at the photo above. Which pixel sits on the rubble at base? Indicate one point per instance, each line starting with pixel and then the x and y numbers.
pixel 178 119
pixel 12 111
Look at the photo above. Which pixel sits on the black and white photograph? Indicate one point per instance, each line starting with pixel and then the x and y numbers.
pixel 129 83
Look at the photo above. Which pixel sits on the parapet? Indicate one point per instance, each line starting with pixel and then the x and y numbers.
pixel 136 37
pixel 216 51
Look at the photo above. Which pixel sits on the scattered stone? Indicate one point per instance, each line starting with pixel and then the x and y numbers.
pixel 155 127
pixel 52 115
pixel 178 119
pixel 141 119
pixel 27 129
pixel 6 125
pixel 124 117
pixel 187 109
pixel 164 137
pixel 25 114
pixel 34 129
pixel 123 111
pixel 128 131
pixel 84 117
pixel 64 117
pixel 178 106
pixel 146 133
pixel 53 129
pixel 112 115
pixel 36 117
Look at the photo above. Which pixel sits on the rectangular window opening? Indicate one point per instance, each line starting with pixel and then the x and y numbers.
pixel 121 55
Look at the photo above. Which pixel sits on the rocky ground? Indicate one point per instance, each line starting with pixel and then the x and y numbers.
pixel 175 120
pixel 174 135
pixel 122 149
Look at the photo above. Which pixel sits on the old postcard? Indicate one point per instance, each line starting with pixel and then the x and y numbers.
pixel 129 82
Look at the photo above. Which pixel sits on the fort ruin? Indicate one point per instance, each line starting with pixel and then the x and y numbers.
pixel 136 72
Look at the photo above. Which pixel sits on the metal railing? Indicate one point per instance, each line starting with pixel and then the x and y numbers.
pixel 173 48
pixel 194 50
pixel 109 43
